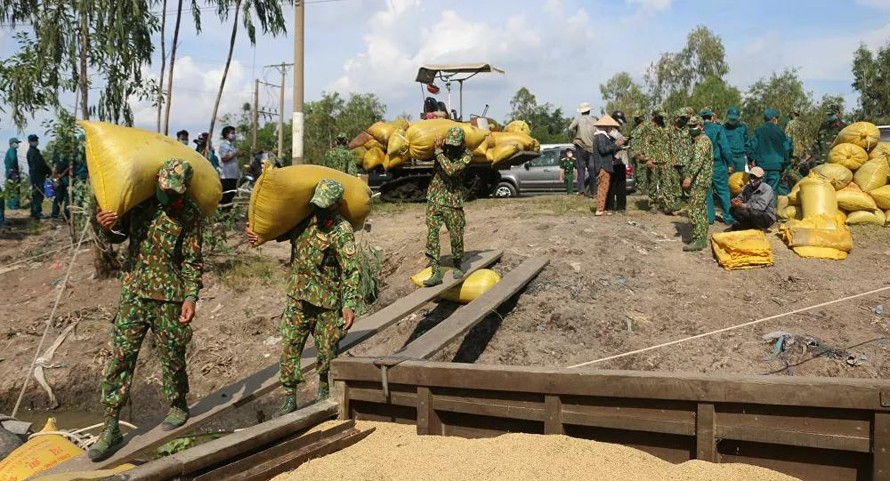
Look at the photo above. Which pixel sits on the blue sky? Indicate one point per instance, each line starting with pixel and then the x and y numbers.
pixel 560 49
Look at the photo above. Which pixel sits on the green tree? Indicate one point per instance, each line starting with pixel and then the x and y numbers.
pixel 331 115
pixel 781 91
pixel 670 79
pixel 715 94
pixel 870 74
pixel 548 124
pixel 621 93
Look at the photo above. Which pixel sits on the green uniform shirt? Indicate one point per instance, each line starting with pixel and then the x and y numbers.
pixel 719 143
pixel 447 186
pixel 11 162
pixel 680 145
pixel 655 145
pixel 568 165
pixel 341 158
pixel 737 136
pixel 701 163
pixel 770 147
pixel 325 270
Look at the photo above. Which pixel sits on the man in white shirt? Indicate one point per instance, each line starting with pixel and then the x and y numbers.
pixel 228 167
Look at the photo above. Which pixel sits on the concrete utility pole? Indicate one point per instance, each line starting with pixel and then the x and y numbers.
pixel 281 114
pixel 255 117
pixel 297 151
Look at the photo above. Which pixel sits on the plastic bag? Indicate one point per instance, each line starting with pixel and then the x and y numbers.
pixel 849 155
pixel 38 454
pixel 789 212
pixel 737 182
pixel 398 143
pixel 881 196
pixel 810 252
pixel 872 175
pixel 475 284
pixel 745 249
pixel 864 134
pixel 837 174
pixel 839 239
pixel 817 197
pixel 124 164
pixel 853 199
pixel 875 217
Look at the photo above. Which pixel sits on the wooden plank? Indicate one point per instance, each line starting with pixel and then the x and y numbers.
pixel 396 398
pixel 465 318
pixel 705 441
pixel 428 422
pixel 627 423
pixel 764 390
pixel 266 380
pixel 508 410
pixel 806 439
pixel 881 456
pixel 553 415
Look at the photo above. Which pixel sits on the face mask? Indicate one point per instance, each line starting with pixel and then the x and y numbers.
pixel 732 122
pixel 832 118
pixel 184 142
pixel 231 137
pixel 681 122
pixel 164 197
pixel 695 131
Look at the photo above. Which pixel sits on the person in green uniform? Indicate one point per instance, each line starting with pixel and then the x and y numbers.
pixel 634 146
pixel 770 149
pixel 445 202
pixel 680 153
pixel 340 157
pixel 800 151
pixel 13 174
pixel 698 173
pixel 722 161
pixel 322 291
pixel 160 282
pixel 567 170
pixel 737 136
pixel 831 126
pixel 38 171
pixel 654 149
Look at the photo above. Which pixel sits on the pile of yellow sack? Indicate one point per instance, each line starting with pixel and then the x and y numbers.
pixel 818 228
pixel 745 249
pixel 391 144
pixel 472 287
pixel 858 168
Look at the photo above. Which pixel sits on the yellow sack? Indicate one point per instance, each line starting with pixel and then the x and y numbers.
pixel 398 143
pixel 523 140
pixel 817 197
pixel 837 174
pixel 422 136
pixel 881 151
pixel 789 212
pixel 518 126
pixel 794 195
pixel 359 140
pixel 853 199
pixel 876 217
pixel 850 156
pixel 473 286
pixel 280 199
pixel 359 154
pixel 124 164
pixel 823 222
pixel 38 454
pixel 381 131
pixel 373 158
pixel 480 159
pixel 745 249
pixel 782 202
pixel 501 153
pixel 872 175
pixel 737 182
pixel 820 253
pixel 392 161
pixel 372 143
pixel 863 134
pixel 881 196
pixel 839 239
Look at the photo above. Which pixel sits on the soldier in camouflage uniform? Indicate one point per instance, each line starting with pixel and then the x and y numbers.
pixel 654 150
pixel 679 154
pixel 340 157
pixel 698 173
pixel 445 202
pixel 828 131
pixel 800 154
pixel 635 152
pixel 323 290
pixel 160 281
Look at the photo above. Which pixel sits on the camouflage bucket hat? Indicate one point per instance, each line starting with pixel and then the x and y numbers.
pixel 175 175
pixel 455 137
pixel 688 111
pixel 695 120
pixel 327 193
pixel 658 112
pixel 679 113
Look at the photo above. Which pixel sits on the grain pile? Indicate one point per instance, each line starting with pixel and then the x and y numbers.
pixel 395 452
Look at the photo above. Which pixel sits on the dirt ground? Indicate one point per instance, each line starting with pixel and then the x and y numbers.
pixel 614 284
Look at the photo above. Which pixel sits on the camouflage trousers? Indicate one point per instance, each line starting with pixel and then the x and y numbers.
pixel 668 185
pixel 698 212
pixel 135 317
pixel 641 174
pixel 299 321
pixel 453 219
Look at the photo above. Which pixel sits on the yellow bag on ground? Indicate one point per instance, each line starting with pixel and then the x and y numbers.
pixel 824 222
pixel 881 196
pixel 502 152
pixel 817 197
pixel 38 454
pixel 839 239
pixel 881 151
pixel 782 202
pixel 523 140
pixel 373 158
pixel 124 164
pixel 280 199
pixel 794 195
pixel 853 199
pixel 518 126
pixel 837 174
pixel 876 217
pixel 737 182
pixel 476 284
pixel 745 249
pixel 872 175
pixel 863 134
pixel 820 253
pixel 850 156
pixel 789 212
pixel 422 136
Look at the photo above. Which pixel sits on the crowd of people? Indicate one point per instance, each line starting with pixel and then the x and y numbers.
pixel 683 163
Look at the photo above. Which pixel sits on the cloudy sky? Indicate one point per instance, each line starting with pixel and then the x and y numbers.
pixel 560 49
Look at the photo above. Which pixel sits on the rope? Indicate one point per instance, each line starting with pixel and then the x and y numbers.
pixel 49 321
pixel 28 259
pixel 731 328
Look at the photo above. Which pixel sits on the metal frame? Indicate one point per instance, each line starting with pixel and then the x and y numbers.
pixel 448 73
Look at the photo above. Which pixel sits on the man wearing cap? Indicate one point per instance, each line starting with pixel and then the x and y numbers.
pixel 698 177
pixel 445 202
pixel 160 281
pixel 340 158
pixel 737 136
pixel 831 126
pixel 770 149
pixel 38 171
pixel 582 130
pixel 322 290
pixel 754 208
pixel 13 174
pixel 722 162
pixel 800 152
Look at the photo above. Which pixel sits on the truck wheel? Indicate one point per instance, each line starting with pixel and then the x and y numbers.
pixel 505 189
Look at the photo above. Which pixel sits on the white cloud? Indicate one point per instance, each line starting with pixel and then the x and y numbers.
pixel 652 5
pixel 883 4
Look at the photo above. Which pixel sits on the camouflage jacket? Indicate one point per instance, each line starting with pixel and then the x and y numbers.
pixel 679 147
pixel 827 132
pixel 447 186
pixel 797 132
pixel 341 158
pixel 655 144
pixel 701 163
pixel 164 259
pixel 637 136
pixel 325 271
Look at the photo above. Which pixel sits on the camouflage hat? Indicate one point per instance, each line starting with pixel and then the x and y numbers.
pixel 455 137
pixel 658 112
pixel 688 111
pixel 341 136
pixel 175 175
pixel 695 120
pixel 327 193
pixel 680 113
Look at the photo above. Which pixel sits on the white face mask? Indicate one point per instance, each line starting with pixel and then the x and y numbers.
pixel 184 142
pixel 231 137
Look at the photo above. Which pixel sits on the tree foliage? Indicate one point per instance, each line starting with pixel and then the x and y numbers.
pixel 621 93
pixel 870 73
pixel 671 78
pixel 548 124
pixel 715 94
pixel 781 91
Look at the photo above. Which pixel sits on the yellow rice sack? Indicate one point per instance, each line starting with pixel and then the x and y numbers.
pixel 794 195
pixel 817 197
pixel 789 212
pixel 381 131
pixel 872 175
pixel 881 196
pixel 809 252
pixel 38 454
pixel 359 140
pixel 518 126
pixel 358 154
pixel 839 239
pixel 398 143
pixel 737 182
pixel 502 152
pixel 422 136
pixel 849 155
pixel 280 199
pixel 372 143
pixel 476 284
pixel 124 164
pixel 525 141
pixel 863 134
pixel 876 217
pixel 745 249
pixel 782 202
pixel 392 161
pixel 853 199
pixel 837 174
pixel 881 151
pixel 373 158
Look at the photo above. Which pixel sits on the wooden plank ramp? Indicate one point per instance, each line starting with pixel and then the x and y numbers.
pixel 266 380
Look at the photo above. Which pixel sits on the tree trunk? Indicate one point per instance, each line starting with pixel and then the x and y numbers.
pixel 222 83
pixel 169 102
pixel 163 60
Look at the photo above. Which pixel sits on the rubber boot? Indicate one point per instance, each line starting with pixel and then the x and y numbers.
pixel 458 272
pixel 436 278
pixel 109 441
pixel 176 416
pixel 696 245
pixel 324 390
pixel 288 406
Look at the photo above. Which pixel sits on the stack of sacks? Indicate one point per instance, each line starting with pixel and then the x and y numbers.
pixel 745 249
pixel 818 229
pixel 369 147
pixel 858 168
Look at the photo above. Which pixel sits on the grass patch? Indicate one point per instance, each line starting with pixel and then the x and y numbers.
pixel 239 274
pixel 381 207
